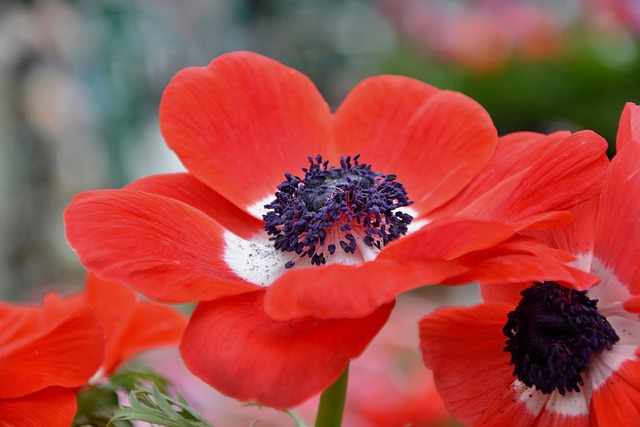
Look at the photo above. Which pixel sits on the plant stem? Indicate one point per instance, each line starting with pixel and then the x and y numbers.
pixel 332 400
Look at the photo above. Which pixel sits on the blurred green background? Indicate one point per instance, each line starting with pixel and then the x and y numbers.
pixel 80 82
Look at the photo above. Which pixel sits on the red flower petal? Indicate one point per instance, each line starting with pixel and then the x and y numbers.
pixel 578 237
pixel 351 291
pixel 234 347
pixel 629 127
pixel 517 268
pixel 187 189
pixel 243 121
pixel 617 402
pixel 17 322
pixel 164 248
pixel 463 348
pixel 617 245
pixel 531 175
pixel 447 239
pixel 514 155
pixel 434 141
pixel 52 407
pixel 131 326
pixel 65 351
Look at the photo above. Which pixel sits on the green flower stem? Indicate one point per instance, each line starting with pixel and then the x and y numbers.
pixel 332 400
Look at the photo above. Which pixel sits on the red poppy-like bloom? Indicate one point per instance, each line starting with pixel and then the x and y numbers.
pixel 45 353
pixel 540 354
pixel 295 227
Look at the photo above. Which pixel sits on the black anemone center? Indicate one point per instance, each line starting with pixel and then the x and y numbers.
pixel 336 206
pixel 552 334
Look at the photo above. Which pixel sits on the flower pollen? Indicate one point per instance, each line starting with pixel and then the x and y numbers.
pixel 552 334
pixel 335 209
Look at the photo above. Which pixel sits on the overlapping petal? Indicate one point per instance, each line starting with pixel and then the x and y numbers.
pixel 435 141
pixel 166 249
pixel 232 345
pixel 629 126
pixel 530 175
pixel 64 352
pixel 243 121
pixel 351 291
pixel 186 188
pixel 131 326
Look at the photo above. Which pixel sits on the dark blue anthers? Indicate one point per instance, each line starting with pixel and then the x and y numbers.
pixel 330 205
pixel 552 334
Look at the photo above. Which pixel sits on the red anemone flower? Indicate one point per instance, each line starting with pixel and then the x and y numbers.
pixel 545 354
pixel 295 228
pixel 45 353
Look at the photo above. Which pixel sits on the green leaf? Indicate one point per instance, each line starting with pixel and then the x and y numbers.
pixel 156 407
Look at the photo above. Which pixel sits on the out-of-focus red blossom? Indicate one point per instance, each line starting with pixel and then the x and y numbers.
pixel 131 326
pixel 389 385
pixel 479 35
pixel 45 353
pixel 465 346
pixel 263 331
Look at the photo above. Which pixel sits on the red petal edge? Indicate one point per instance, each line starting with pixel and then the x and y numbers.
pixel 233 346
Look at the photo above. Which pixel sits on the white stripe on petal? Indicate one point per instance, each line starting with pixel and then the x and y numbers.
pixel 257 209
pixel 256 261
pixel 571 404
pixel 416 224
pixel 610 290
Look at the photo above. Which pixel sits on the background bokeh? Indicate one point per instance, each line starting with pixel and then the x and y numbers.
pixel 80 83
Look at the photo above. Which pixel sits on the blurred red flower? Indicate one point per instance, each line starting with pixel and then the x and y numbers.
pixel 45 353
pixel 296 272
pixel 130 325
pixel 571 358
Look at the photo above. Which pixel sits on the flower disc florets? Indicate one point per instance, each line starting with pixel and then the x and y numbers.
pixel 552 334
pixel 333 207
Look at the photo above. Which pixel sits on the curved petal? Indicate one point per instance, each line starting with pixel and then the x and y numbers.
pixel 518 268
pixel 53 406
pixel 63 352
pixel 533 174
pixel 187 189
pixel 514 155
pixel 350 291
pixel 617 244
pixel 17 322
pixel 233 346
pixel 578 237
pixel 241 122
pixel 164 248
pixel 434 141
pixel 463 348
pixel 629 126
pixel 447 239
pixel 507 293
pixel 131 326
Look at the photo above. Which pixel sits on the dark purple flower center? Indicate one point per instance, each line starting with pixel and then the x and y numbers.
pixel 336 208
pixel 552 334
